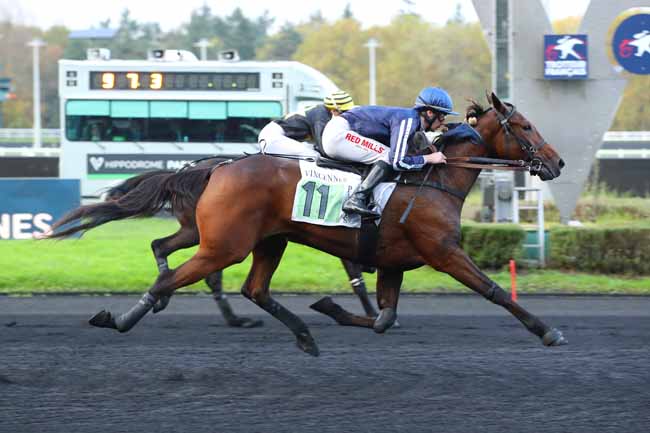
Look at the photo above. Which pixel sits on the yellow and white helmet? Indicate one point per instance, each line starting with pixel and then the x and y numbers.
pixel 339 100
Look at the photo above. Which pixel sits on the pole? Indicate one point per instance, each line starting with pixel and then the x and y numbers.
pixel 513 280
pixel 372 45
pixel 203 45
pixel 36 79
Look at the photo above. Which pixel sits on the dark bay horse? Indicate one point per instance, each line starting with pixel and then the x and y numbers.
pixel 247 206
pixel 188 235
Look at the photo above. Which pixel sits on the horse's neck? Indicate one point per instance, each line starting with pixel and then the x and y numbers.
pixel 460 179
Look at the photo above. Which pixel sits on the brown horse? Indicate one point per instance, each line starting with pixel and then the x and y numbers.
pixel 247 206
pixel 188 236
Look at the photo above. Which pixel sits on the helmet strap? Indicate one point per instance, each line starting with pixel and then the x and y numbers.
pixel 428 118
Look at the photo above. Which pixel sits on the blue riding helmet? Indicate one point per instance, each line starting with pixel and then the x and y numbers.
pixel 435 98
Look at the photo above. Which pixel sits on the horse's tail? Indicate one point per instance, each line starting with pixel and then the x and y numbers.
pixel 123 188
pixel 149 193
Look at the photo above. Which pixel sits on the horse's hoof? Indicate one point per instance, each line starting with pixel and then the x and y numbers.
pixel 323 306
pixel 306 343
pixel 385 320
pixel 245 322
pixel 103 319
pixel 554 337
pixel 162 303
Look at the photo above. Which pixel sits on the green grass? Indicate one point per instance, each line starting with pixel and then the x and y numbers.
pixel 116 258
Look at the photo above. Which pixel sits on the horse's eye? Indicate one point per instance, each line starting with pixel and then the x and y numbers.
pixel 528 127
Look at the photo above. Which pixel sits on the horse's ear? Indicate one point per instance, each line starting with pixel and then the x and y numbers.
pixel 496 103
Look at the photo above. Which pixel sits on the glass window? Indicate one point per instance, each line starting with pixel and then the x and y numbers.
pixel 88 108
pixel 168 109
pixel 168 121
pixel 129 109
pixel 215 110
pixel 265 109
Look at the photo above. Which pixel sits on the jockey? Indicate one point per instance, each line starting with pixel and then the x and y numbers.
pixel 359 135
pixel 285 136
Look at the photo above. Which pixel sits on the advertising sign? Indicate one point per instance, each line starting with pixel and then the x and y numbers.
pixel 631 41
pixel 28 207
pixel 565 57
pixel 125 165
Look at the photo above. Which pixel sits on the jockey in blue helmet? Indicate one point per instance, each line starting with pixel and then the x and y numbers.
pixel 381 136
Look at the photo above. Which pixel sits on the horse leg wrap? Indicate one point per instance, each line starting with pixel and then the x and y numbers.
pixel 497 295
pixel 163 266
pixel 359 288
pixel 358 285
pixel 285 316
pixel 224 307
pixel 127 320
pixel 304 340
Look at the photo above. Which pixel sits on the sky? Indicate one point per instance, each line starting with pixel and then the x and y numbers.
pixel 84 14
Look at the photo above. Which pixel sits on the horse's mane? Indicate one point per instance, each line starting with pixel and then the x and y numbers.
pixel 474 109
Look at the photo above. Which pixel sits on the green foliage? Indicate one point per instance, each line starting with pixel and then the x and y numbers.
pixel 116 258
pixel 337 50
pixel 492 245
pixel 414 53
pixel 603 250
pixel 282 45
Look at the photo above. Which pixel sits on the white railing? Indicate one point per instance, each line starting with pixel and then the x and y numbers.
pixel 27 133
pixel 539 207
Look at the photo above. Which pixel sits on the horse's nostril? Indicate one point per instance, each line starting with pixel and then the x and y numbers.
pixel 561 163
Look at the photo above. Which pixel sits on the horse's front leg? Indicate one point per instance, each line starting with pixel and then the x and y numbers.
pixel 359 286
pixel 456 262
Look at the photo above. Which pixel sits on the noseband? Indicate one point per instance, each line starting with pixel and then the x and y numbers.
pixel 528 147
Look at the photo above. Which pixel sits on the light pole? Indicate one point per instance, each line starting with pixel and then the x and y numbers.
pixel 36 44
pixel 203 45
pixel 372 45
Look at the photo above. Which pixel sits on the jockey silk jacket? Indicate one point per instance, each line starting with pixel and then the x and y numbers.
pixel 393 126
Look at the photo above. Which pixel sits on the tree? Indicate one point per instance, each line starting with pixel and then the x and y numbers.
pixel 337 50
pixel 282 45
pixel 347 12
pixel 457 17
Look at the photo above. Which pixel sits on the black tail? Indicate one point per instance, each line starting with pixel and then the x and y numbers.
pixel 147 195
pixel 115 192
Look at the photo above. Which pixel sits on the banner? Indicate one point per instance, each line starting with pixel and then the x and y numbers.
pixel 28 207
pixel 565 57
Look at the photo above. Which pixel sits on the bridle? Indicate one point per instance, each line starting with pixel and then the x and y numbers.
pixel 534 163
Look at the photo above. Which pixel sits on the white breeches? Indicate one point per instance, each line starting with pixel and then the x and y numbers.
pixel 272 140
pixel 339 142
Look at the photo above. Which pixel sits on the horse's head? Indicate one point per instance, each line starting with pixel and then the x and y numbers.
pixel 509 135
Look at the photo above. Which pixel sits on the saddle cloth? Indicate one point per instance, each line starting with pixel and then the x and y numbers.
pixel 321 192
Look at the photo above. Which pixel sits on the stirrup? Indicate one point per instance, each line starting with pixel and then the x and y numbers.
pixel 352 205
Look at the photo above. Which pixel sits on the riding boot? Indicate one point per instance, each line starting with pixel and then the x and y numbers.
pixel 358 201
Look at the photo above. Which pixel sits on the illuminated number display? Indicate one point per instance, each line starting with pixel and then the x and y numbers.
pixel 161 81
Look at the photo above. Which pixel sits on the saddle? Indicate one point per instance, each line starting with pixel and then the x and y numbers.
pixel 335 164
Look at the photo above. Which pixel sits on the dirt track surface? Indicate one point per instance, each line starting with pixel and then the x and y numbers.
pixel 457 364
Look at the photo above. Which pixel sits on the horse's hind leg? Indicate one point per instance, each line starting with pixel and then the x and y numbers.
pixel 199 266
pixel 215 282
pixel 457 264
pixel 328 307
pixel 187 236
pixel 389 283
pixel 266 257
pixel 359 286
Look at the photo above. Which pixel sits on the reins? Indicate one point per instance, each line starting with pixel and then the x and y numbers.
pixel 477 162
